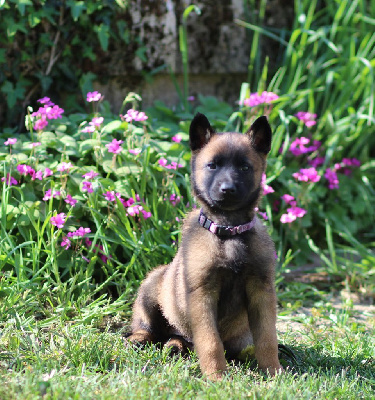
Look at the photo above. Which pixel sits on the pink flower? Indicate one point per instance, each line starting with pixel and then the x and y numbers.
pixel 40 124
pixel 48 194
pixel 88 129
pixel 256 99
pixel 44 100
pixel 10 141
pixel 64 167
pixel 54 112
pixel 307 174
pixel 111 195
pixel 146 214
pixel 47 172
pixel 135 151
pixel 134 210
pixel 163 162
pixel 331 176
pixel 69 200
pixel 173 165
pixel 294 212
pixel 10 181
pixel 114 147
pixel 266 189
pixel 42 174
pixel 24 169
pixel 66 243
pixel 307 118
pixel 298 147
pixel 133 115
pixel 87 187
pixel 177 138
pixel 93 96
pixel 174 199
pixel 80 232
pixel 35 144
pixel 96 121
pixel 58 220
pixel 90 175
pixel 287 198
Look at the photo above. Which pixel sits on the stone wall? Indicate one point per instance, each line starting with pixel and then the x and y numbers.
pixel 218 49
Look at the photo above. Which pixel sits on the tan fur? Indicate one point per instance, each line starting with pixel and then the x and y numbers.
pixel 217 295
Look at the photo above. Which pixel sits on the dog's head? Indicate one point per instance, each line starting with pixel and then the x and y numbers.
pixel 227 167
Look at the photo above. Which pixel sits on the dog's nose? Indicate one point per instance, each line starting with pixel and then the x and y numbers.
pixel 227 187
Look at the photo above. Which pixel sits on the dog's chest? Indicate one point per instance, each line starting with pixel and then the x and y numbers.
pixel 234 254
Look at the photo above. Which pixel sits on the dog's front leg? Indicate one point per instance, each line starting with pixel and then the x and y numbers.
pixel 206 338
pixel 262 320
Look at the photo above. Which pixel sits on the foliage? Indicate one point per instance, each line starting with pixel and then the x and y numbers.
pixel 40 41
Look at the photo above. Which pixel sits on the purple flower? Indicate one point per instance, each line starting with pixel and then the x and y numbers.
pixel 163 162
pixel 69 200
pixel 90 175
pixel 114 147
pixel 10 141
pixel 44 100
pixel 316 162
pixel 256 99
pixel 93 96
pixel 64 167
pixel 24 169
pixel 87 187
pixel 66 243
pixel 58 220
pixel 54 112
pixel 298 147
pixel 174 199
pixel 307 174
pixel 48 194
pixel 307 118
pixel 10 181
pixel 177 138
pixel 331 176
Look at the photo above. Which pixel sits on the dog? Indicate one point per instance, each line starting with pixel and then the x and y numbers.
pixel 218 295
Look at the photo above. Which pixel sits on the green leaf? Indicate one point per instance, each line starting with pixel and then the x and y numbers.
pixel 103 34
pixel 112 126
pixel 76 9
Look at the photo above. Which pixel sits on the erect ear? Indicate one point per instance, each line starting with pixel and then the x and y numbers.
pixel 200 132
pixel 260 135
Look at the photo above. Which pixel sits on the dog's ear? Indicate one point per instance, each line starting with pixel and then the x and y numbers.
pixel 260 135
pixel 200 132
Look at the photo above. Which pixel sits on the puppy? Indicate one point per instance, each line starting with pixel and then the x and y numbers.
pixel 217 296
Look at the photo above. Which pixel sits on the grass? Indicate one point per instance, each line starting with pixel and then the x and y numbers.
pixel 334 352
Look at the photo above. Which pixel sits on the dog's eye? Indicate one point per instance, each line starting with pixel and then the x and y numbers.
pixel 211 165
pixel 244 168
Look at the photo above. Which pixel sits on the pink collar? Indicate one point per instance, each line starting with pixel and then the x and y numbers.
pixel 221 230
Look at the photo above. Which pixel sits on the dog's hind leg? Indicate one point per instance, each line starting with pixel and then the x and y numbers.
pixel 148 323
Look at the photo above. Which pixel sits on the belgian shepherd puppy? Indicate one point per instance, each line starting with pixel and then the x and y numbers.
pixel 217 296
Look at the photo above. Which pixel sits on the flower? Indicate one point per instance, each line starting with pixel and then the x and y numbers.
pixel 80 232
pixel 10 141
pixel 58 220
pixel 87 187
pixel 135 151
pixel 173 165
pixel 48 194
pixel 24 169
pixel 288 199
pixel 96 121
pixel 40 124
pixel 133 115
pixel 88 129
pixel 331 176
pixel 114 147
pixel 307 118
pixel 298 147
pixel 177 138
pixel 316 162
pixel 174 199
pixel 35 144
pixel 10 181
pixel 307 174
pixel 163 162
pixel 69 200
pixel 266 189
pixel 90 175
pixel 293 213
pixel 44 100
pixel 64 166
pixel 256 99
pixel 66 243
pixel 93 96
